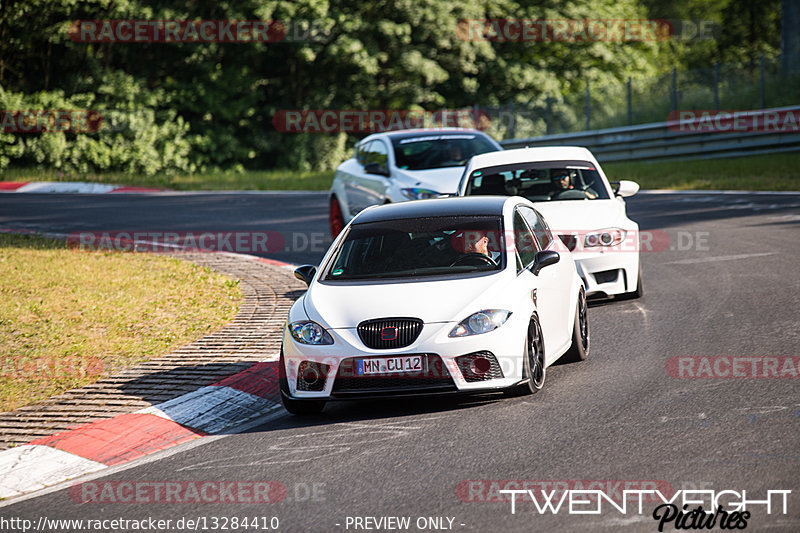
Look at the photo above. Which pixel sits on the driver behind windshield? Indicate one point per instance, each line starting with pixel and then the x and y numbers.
pixel 477 242
pixel 453 156
pixel 562 180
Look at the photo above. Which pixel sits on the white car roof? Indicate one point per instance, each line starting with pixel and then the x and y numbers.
pixel 528 155
pixel 428 131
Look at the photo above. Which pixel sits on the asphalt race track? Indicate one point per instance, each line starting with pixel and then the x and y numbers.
pixel 721 280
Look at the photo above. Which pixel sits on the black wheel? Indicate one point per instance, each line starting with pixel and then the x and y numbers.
pixel 532 362
pixel 294 406
pixel 579 349
pixel 534 356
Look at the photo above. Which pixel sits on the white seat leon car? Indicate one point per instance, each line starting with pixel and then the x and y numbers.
pixel 402 165
pixel 568 186
pixel 435 296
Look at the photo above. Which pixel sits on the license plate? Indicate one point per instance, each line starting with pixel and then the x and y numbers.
pixel 388 365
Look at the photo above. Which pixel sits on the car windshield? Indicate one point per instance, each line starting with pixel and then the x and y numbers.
pixel 540 182
pixel 428 151
pixel 407 248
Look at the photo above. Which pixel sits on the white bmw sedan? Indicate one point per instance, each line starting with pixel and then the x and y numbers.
pixel 402 165
pixel 436 296
pixel 568 186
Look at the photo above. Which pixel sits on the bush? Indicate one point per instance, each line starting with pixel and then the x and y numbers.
pixel 133 136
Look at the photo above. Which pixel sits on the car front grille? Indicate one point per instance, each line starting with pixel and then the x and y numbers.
pixel 389 333
pixel 433 377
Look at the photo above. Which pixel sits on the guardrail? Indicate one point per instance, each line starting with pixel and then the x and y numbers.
pixel 674 140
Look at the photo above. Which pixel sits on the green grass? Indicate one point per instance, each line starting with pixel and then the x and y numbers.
pixel 779 172
pixel 69 317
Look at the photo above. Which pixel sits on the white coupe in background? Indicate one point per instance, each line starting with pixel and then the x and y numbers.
pixel 434 296
pixel 568 186
pixel 402 165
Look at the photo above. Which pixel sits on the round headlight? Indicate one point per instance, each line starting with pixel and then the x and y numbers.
pixel 309 332
pixel 591 240
pixel 606 238
pixel 480 322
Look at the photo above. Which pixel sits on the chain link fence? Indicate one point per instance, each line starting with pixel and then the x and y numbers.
pixel 739 86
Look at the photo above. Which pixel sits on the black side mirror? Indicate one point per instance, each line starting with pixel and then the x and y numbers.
pixel 305 273
pixel 543 259
pixel 376 168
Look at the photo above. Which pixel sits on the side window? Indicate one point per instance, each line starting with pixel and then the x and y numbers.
pixel 361 154
pixel 524 240
pixel 377 153
pixel 537 223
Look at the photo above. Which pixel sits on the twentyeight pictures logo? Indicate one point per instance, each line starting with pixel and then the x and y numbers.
pixel 680 509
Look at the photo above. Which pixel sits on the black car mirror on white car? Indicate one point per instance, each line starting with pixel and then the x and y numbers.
pixel 305 273
pixel 543 259
pixel 376 168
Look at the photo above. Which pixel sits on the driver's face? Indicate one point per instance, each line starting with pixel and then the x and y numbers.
pixel 480 246
pixel 562 181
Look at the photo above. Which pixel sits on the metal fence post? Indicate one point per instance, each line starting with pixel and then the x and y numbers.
pixel 630 104
pixel 716 86
pixel 547 115
pixel 674 95
pixel 511 121
pixel 761 85
pixel 588 109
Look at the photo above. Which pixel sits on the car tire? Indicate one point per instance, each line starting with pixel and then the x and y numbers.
pixel 579 349
pixel 532 362
pixel 335 217
pixel 294 406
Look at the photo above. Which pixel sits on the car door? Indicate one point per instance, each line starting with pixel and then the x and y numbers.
pixel 370 189
pixel 560 276
pixel 551 291
pixel 353 178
